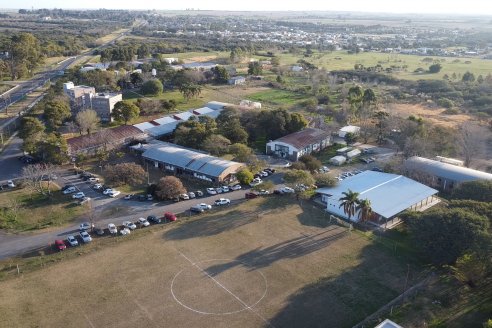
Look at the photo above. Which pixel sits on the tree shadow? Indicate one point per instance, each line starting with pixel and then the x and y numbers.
pixel 348 298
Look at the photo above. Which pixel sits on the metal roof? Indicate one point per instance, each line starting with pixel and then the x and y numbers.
pixel 302 139
pixel 144 126
pixel 165 120
pixel 389 194
pixel 388 324
pixel 163 129
pixel 183 116
pixel 445 170
pixel 188 159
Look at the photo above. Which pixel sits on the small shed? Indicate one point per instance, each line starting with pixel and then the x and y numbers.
pixel 343 150
pixel 338 160
pixel 353 153
pixel 348 129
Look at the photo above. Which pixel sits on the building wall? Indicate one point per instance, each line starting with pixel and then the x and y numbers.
pixel 276 148
pixel 104 106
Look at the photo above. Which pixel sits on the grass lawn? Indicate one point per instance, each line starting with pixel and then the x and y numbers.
pixel 18 212
pixel 341 60
pixel 265 261
pixel 278 97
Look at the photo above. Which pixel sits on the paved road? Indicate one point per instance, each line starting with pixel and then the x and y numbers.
pixel 10 166
pixel 13 245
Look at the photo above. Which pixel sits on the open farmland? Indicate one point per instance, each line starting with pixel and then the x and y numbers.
pixel 267 262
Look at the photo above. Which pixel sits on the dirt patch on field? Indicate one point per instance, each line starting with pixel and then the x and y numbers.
pixel 431 115
pixel 200 59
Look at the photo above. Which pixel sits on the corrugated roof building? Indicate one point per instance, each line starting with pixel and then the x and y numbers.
pixel 294 145
pixel 390 194
pixel 441 175
pixel 184 161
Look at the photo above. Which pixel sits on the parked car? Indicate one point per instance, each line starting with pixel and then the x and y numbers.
pixel 107 191
pixel 270 170
pixel 255 182
pixel 250 195
pixel 78 195
pixel 171 217
pixel 219 190
pixel 199 193
pixel 86 238
pixel 225 189
pixel 99 231
pixel 60 245
pixel 222 201
pixel 97 186
pixel 69 190
pixel 184 196
pixel 377 169
pixel 129 196
pixel 65 187
pixel 284 190
pixel 93 179
pixel 143 222
pixel 150 197
pixel 142 198
pixel 236 187
pixel 130 225
pixel 264 174
pixel 114 193
pixel 264 192
pixel 72 241
pixel 205 206
pixel 84 200
pixel 211 191
pixel 153 218
pixel 125 231
pixel 191 194
pixel 176 199
pixel 196 209
pixel 112 229
pixel 85 226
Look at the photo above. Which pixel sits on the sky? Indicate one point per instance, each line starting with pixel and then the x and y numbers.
pixel 480 7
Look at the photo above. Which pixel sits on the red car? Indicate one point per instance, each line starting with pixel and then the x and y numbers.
pixel 170 216
pixel 60 245
pixel 250 195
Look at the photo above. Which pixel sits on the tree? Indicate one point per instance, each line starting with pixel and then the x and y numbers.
pixel 25 55
pixel 169 187
pixel 152 87
pixel 125 173
pixel 381 117
pixel 53 149
pixel 469 140
pixel 369 98
pixel 31 131
pixel 325 180
pixel 435 68
pixel 349 202
pixel 365 210
pixel 33 177
pixel 471 269
pixel 125 111
pixel 221 75
pixel 190 90
pixel 216 144
pixel 468 77
pixel 240 151
pixel 244 176
pixel 480 190
pixel 311 162
pixel 355 97
pixel 191 134
pixel 136 78
pixel 55 113
pixel 254 68
pixel 297 177
pixel 87 121
pixel 445 235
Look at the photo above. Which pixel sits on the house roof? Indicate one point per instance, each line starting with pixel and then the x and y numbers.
pixel 188 159
pixel 350 129
pixel 304 138
pixel 445 170
pixel 388 324
pixel 102 137
pixel 162 129
pixel 165 120
pixel 184 116
pixel 144 126
pixel 389 194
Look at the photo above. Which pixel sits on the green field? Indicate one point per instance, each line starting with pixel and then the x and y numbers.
pixel 278 97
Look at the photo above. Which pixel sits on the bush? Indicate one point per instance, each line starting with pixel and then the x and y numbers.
pixel 311 162
pixel 474 190
pixel 325 180
pixel 298 166
pixel 435 68
pixel 244 176
pixel 446 103
pixel 152 87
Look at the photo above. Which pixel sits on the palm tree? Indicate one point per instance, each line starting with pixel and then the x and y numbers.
pixel 349 202
pixel 365 209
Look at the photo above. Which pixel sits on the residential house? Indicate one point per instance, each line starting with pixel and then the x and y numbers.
pixel 348 129
pixel 237 80
pixel 294 145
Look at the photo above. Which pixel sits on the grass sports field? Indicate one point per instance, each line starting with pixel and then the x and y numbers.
pixel 265 263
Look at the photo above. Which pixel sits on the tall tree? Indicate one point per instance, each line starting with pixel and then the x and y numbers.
pixel 221 75
pixel 56 112
pixel 254 68
pixel 53 149
pixel 349 202
pixel 169 187
pixel 87 121
pixel 31 132
pixel 125 111
pixel 216 144
pixel 25 55
pixel 381 117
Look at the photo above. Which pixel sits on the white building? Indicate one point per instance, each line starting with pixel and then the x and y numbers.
pixel 389 194
pixel 250 104
pixel 348 129
pixel 237 80
pixel 296 68
pixel 294 145
pixel 103 104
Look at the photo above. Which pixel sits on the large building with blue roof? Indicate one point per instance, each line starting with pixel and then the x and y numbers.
pixel 390 194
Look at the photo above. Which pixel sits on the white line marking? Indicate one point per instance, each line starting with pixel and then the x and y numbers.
pixel 246 306
pixel 89 321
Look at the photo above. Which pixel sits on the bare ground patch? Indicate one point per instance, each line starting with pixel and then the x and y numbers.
pixel 431 115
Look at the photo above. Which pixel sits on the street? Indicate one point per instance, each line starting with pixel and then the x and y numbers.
pixel 10 166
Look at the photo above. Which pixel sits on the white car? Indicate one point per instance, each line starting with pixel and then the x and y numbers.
pixel 78 195
pixel 93 179
pixel 222 201
pixel 130 225
pixel 69 190
pixel 107 191
pixel 72 241
pixel 263 174
pixel 85 226
pixel 184 196
pixel 204 206
pixel 129 196
pixel 11 184
pixel 255 182
pixel 211 191
pixel 114 193
pixel 219 190
pixel 125 231
pixel 287 190
pixel 236 187
pixel 86 238
pixel 97 186
pixel 191 194
pixel 112 228
pixel 225 189
pixel 264 192
pixel 143 222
